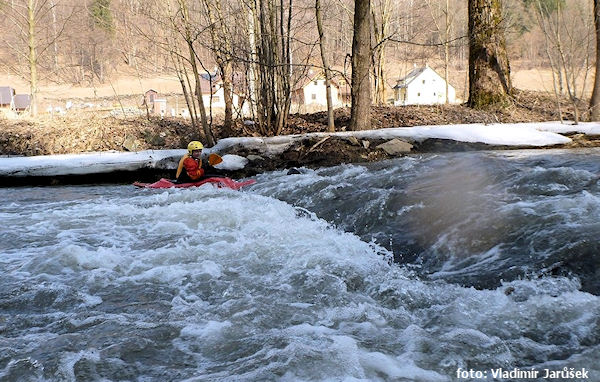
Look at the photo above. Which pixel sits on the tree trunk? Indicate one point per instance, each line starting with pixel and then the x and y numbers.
pixel 330 116
pixel 252 71
pixel 210 141
pixel 360 114
pixel 489 70
pixel 32 57
pixel 54 36
pixel 381 24
pixel 222 52
pixel 595 101
pixel 447 50
pixel 274 64
pixel 283 73
pixel 227 75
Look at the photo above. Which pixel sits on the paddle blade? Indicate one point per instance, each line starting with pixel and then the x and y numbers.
pixel 214 159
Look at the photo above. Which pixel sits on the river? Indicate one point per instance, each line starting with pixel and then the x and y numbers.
pixel 412 269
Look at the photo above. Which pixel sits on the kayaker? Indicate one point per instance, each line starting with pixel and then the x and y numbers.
pixel 190 166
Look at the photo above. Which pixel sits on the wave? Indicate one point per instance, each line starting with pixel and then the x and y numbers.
pixel 215 285
pixel 471 218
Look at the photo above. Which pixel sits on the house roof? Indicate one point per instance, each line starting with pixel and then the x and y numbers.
pixel 410 77
pixel 214 79
pixel 305 80
pixel 22 101
pixel 6 95
pixel 205 84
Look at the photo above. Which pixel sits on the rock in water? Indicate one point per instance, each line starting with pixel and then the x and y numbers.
pixel 395 147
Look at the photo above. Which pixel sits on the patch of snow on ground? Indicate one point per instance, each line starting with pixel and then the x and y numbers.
pixel 519 134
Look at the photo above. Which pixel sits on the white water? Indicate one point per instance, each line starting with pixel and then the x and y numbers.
pixel 112 283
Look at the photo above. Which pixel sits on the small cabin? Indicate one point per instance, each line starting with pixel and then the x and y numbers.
pixel 7 96
pixel 150 96
pixel 22 102
pixel 422 86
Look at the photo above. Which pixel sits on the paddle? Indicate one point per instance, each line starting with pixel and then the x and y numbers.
pixel 214 159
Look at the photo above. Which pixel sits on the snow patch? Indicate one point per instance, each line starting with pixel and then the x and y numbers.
pixel 518 134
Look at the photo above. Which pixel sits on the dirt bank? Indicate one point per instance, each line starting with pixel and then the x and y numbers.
pixel 86 131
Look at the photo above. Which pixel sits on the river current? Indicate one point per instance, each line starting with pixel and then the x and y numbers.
pixel 412 269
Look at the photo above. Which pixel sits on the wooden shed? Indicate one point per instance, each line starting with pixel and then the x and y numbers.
pixel 150 96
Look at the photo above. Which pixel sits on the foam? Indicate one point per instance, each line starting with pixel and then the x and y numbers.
pixel 379 363
pixel 210 329
pixel 250 287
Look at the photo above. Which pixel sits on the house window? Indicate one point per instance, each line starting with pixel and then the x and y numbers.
pixel 216 99
pixel 418 94
pixel 423 81
pixel 434 94
pixel 316 82
pixel 313 96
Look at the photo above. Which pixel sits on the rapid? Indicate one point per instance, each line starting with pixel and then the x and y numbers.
pixel 404 270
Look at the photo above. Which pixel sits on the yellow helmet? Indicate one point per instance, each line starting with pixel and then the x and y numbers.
pixel 194 145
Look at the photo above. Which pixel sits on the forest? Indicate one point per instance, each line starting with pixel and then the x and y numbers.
pixel 264 48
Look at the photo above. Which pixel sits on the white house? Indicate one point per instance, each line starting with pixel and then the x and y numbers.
pixel 422 86
pixel 216 94
pixel 311 91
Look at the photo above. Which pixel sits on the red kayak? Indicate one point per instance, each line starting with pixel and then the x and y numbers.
pixel 217 181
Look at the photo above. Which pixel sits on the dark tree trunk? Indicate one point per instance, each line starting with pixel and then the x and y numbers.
pixel 595 102
pixel 489 70
pixel 360 114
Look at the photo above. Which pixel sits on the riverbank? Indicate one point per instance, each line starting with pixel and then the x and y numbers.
pixel 114 149
pixel 97 130
pixel 248 156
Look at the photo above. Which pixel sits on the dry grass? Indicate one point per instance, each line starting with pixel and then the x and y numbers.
pixel 91 131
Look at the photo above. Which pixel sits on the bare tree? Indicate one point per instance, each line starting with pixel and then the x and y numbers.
pixel 29 17
pixel 489 70
pixel 326 68
pixel 444 32
pixel 595 101
pixel 222 50
pixel 270 22
pixel 360 113
pixel 381 22
pixel 189 37
pixel 567 39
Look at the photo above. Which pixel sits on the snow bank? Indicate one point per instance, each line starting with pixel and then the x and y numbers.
pixel 518 134
pixel 588 128
pixel 232 162
pixel 523 134
pixel 89 163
